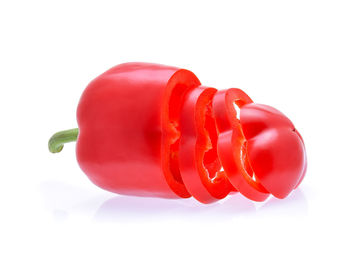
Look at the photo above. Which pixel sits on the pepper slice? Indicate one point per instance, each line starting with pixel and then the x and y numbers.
pixel 232 145
pixel 181 83
pixel 200 166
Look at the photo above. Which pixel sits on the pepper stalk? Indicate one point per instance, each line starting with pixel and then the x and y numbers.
pixel 58 140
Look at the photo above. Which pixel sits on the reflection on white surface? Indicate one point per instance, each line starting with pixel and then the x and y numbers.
pixel 122 208
pixel 66 202
pixel 134 208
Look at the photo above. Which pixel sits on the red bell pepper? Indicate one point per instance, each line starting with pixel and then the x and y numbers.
pixel 153 130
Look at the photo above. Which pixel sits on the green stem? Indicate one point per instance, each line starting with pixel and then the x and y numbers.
pixel 58 139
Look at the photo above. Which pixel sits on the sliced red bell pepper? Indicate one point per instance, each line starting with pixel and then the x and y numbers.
pixel 153 130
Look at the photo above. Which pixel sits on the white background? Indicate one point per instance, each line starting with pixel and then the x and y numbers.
pixel 293 55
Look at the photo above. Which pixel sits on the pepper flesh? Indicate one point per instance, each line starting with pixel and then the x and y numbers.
pixel 231 146
pixel 153 130
pixel 199 162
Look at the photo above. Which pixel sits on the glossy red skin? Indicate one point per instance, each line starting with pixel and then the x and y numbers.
pixel 128 119
pixel 199 163
pixel 275 149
